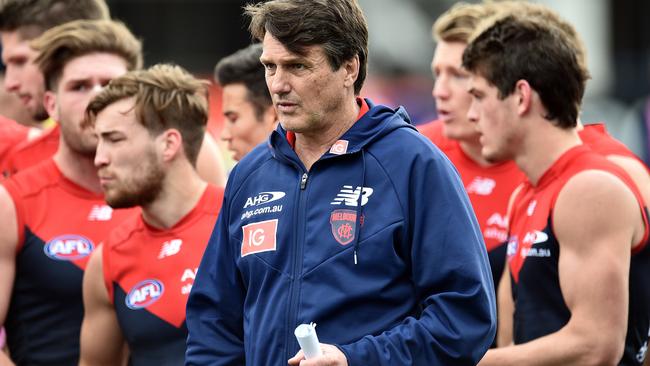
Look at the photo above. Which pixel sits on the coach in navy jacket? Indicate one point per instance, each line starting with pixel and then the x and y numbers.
pixel 373 238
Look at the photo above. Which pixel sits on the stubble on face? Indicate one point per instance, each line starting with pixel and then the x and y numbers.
pixel 140 188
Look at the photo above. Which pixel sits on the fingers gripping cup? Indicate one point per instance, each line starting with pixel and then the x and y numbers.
pixel 308 340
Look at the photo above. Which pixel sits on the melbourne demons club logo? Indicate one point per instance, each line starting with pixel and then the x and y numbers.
pixel 68 247
pixel 144 294
pixel 259 237
pixel 343 224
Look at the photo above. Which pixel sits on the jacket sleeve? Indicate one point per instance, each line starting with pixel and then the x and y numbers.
pixel 215 305
pixel 451 275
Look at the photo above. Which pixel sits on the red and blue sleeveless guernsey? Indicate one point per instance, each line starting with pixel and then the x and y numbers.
pixel 599 140
pixel 149 273
pixel 11 134
pixel 59 224
pixel 31 152
pixel 533 254
pixel 489 189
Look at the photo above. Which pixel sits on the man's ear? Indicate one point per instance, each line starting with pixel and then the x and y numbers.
pixel 49 102
pixel 171 144
pixel 524 97
pixel 351 68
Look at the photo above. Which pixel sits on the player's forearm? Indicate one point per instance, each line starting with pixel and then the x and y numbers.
pixel 560 348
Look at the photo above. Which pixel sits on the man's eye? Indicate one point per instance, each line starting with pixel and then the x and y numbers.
pixel 79 87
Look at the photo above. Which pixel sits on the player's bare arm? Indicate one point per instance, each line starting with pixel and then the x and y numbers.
pixel 637 171
pixel 8 243
pixel 596 220
pixel 101 338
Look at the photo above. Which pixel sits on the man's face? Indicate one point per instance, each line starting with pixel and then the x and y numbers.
pixel 305 90
pixel 22 75
pixel 496 120
pixel 82 78
pixel 242 128
pixel 450 91
pixel 130 169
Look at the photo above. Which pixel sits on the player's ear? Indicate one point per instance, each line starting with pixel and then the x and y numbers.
pixel 524 96
pixel 49 102
pixel 171 144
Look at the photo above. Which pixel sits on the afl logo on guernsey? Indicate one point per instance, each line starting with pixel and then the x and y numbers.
pixel 68 247
pixel 144 294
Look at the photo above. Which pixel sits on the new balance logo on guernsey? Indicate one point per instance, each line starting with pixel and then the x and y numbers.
pixel 350 196
pixel 100 213
pixel 259 237
pixel 531 208
pixel 170 248
pixel 481 186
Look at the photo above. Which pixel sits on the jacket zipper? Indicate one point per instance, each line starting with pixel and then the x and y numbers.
pixel 297 263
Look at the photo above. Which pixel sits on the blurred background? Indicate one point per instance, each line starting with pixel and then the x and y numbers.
pixel 197 33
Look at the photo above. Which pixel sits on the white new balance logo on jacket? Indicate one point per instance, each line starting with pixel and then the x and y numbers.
pixel 350 196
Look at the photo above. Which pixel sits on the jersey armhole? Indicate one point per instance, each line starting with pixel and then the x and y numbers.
pixel 646 232
pixel 107 272
pixel 20 212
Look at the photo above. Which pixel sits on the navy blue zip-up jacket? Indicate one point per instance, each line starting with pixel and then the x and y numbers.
pixel 377 243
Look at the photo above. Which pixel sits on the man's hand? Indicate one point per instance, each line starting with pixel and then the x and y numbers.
pixel 332 356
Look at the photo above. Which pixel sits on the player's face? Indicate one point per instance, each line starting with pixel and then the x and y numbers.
pixel 306 92
pixel 495 120
pixel 242 128
pixel 22 76
pixel 450 91
pixel 129 168
pixel 82 78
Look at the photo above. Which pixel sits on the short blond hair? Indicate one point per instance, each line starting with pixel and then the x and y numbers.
pixel 459 23
pixel 166 96
pixel 60 44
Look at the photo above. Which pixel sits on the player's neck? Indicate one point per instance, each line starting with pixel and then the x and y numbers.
pixel 77 167
pixel 472 150
pixel 543 147
pixel 182 190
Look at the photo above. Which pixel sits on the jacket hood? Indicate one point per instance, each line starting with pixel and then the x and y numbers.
pixel 377 122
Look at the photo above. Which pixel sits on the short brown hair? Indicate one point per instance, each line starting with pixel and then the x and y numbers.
pixel 337 25
pixel 59 45
pixel 33 17
pixel 244 67
pixel 547 15
pixel 166 96
pixel 517 48
pixel 459 22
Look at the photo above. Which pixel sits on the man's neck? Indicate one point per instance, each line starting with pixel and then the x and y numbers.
pixel 182 190
pixel 310 147
pixel 542 148
pixel 472 149
pixel 77 167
